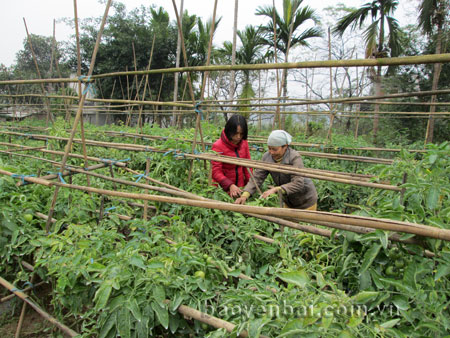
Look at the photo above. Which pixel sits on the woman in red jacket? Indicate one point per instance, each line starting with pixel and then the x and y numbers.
pixel 232 142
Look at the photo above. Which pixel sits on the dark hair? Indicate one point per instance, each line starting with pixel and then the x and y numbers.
pixel 232 124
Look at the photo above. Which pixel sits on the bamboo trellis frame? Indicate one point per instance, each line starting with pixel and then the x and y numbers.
pixel 311 173
pixel 298 215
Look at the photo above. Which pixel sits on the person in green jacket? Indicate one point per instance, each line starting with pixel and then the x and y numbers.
pixel 298 192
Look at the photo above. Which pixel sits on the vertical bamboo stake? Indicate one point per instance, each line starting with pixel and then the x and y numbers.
pixel 78 115
pixel 280 201
pixel 49 114
pixel 158 116
pixel 233 52
pixel 109 104
pixel 128 122
pixel 358 105
pixel 307 106
pixel 147 170
pixel 22 313
pixel 277 117
pixel 66 108
pixel 83 142
pixel 198 127
pixel 146 83
pixel 259 101
pixel 177 64
pixel 332 113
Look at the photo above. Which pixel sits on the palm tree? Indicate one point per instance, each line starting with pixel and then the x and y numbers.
pixel 289 32
pixel 380 12
pixel 433 15
pixel 251 51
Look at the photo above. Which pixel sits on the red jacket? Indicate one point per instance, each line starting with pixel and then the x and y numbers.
pixel 227 174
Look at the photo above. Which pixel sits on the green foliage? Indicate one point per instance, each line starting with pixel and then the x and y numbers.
pixel 115 277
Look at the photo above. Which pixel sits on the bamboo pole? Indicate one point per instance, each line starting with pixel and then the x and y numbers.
pixel 78 116
pixel 397 61
pixel 301 215
pixel 22 313
pixel 49 114
pixel 137 147
pixel 36 307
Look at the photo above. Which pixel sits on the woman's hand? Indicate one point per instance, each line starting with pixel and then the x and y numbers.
pixel 241 200
pixel 234 191
pixel 269 192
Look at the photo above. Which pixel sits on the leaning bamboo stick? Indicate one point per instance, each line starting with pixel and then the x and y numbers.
pixel 301 215
pixel 210 320
pixel 36 307
pixel 341 178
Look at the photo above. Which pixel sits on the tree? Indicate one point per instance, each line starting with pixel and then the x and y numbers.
pixel 289 29
pixel 251 51
pixel 379 11
pixel 433 16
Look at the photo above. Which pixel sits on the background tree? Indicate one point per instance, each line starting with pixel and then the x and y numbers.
pixel 433 19
pixel 251 51
pixel 380 13
pixel 291 29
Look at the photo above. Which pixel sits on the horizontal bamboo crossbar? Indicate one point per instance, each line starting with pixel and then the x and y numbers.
pixel 394 61
pixel 299 215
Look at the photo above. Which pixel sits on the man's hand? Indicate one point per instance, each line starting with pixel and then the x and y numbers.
pixel 241 200
pixel 269 192
pixel 234 191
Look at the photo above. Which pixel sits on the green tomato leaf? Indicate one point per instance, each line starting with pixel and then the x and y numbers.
pixel 102 295
pixel 365 296
pixel 299 278
pixel 109 324
pixel 133 306
pixel 123 323
pixel 369 257
pixel 389 324
pixel 432 198
pixel 159 295
pixel 162 314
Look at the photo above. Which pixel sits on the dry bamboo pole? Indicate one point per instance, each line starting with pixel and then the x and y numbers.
pixel 293 101
pixel 332 115
pixel 24 149
pixel 397 61
pixel 311 173
pixel 36 307
pixel 79 114
pixel 289 169
pixel 210 320
pixel 146 82
pixel 198 126
pixel 301 215
pixel 55 58
pixel 135 147
pixel 49 114
pixel 177 64
pixel 22 313
pixel 7 298
pixel 147 170
pixel 79 87
pixel 276 118
pixel 281 221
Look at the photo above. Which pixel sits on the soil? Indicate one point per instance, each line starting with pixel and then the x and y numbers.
pixel 33 326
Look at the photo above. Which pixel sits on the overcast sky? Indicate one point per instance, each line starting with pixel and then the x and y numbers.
pixel 39 15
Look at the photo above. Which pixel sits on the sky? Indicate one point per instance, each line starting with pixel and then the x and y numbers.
pixel 39 15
